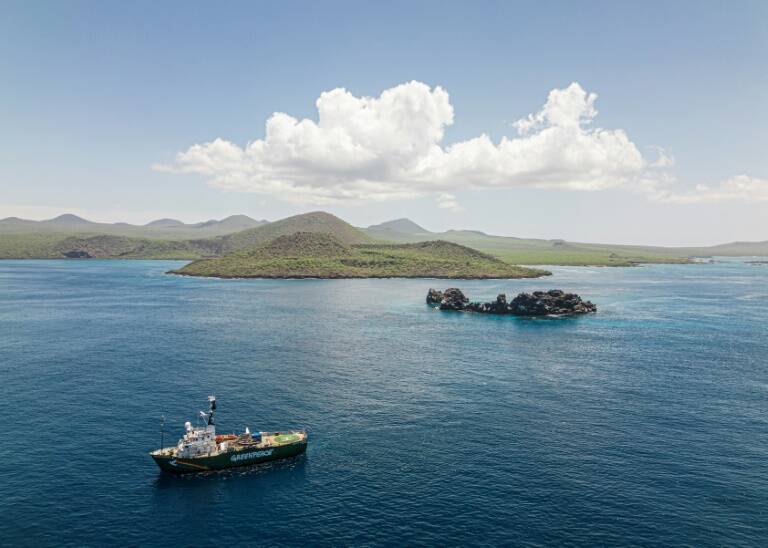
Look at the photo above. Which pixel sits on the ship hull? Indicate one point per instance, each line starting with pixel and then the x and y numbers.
pixel 229 459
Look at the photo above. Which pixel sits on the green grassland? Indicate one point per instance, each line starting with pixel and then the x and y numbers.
pixel 317 255
pixel 585 256
pixel 35 245
pixel 543 252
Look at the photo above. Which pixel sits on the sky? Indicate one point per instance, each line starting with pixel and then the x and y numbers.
pixel 616 122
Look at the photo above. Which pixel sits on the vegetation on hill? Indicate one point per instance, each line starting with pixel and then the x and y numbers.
pixel 41 245
pixel 315 222
pixel 33 245
pixel 537 251
pixel 72 236
pixel 318 255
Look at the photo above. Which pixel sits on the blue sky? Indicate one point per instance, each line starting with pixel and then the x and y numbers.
pixel 94 94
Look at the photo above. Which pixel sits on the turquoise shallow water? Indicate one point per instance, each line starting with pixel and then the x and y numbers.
pixel 645 424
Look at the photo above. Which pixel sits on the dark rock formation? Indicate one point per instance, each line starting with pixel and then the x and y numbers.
pixel 554 302
pixel 434 296
pixel 453 299
pixel 499 306
pixel 77 254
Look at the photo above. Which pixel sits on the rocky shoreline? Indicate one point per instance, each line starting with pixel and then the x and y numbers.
pixel 554 302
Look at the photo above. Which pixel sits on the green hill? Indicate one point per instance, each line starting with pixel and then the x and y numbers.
pixel 58 245
pixel 315 222
pixel 398 225
pixel 318 255
pixel 41 245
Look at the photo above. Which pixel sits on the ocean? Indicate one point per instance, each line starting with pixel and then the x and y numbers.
pixel 645 424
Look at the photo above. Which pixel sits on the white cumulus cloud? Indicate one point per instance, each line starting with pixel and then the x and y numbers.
pixel 391 147
pixel 569 107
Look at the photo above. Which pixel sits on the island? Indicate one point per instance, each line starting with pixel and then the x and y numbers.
pixel 322 255
pixel 554 302
pixel 71 237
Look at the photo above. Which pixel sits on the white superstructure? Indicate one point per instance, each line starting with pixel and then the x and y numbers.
pixel 201 440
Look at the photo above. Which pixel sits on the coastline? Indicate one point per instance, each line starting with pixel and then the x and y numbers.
pixel 544 274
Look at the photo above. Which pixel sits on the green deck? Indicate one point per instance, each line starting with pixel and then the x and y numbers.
pixel 286 438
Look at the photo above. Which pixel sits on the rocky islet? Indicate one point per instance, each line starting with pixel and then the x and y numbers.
pixel 554 302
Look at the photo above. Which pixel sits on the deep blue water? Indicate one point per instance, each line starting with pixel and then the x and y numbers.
pixel 645 424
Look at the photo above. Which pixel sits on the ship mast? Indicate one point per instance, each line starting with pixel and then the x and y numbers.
pixel 211 409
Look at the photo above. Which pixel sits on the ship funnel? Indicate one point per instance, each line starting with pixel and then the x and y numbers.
pixel 187 426
pixel 212 402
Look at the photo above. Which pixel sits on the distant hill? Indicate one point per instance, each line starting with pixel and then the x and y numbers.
pixel 316 221
pixel 15 221
pixel 68 220
pixel 171 229
pixel 123 247
pixel 737 249
pixel 160 222
pixel 405 226
pixel 62 220
pixel 233 223
pixel 322 255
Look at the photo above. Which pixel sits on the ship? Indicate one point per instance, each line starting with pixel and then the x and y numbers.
pixel 201 450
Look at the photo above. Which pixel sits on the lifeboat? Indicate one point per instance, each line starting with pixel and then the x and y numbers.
pixel 225 437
